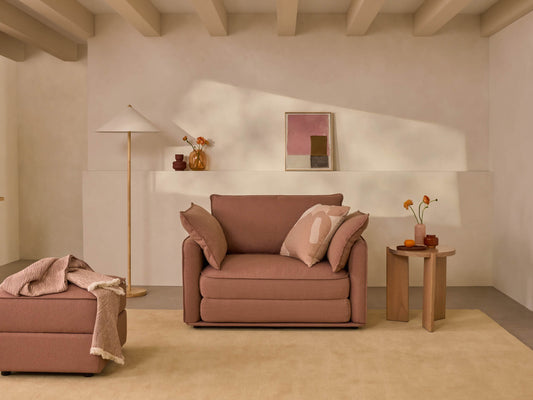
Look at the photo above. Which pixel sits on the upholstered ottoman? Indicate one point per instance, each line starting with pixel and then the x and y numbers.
pixel 51 333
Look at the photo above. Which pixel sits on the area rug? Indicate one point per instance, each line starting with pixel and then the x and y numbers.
pixel 469 356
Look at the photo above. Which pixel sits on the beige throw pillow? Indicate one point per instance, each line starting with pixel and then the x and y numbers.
pixel 207 232
pixel 309 238
pixel 343 240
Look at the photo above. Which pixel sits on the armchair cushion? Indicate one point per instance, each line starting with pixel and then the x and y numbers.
pixel 343 240
pixel 309 238
pixel 205 230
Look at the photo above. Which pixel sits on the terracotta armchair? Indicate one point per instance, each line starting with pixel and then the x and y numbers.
pixel 256 286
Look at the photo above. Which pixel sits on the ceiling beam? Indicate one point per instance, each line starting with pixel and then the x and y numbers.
pixel 21 26
pixel 66 14
pixel 142 14
pixel 503 13
pixel 432 15
pixel 213 15
pixel 287 13
pixel 11 48
pixel 361 14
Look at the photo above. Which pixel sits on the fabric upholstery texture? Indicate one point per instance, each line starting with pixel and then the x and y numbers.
pixel 207 232
pixel 344 238
pixel 258 223
pixel 53 352
pixel 309 238
pixel 272 277
pixel 254 311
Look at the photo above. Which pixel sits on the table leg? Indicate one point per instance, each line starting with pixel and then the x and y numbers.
pixel 440 290
pixel 397 287
pixel 430 280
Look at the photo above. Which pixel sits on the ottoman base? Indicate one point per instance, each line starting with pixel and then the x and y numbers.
pixel 52 352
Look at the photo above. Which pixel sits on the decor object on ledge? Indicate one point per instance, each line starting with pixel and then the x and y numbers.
pixel 420 228
pixel 179 164
pixel 197 158
pixel 308 144
pixel 431 241
pixel 128 121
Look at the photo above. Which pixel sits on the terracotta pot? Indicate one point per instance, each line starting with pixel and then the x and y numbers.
pixel 420 234
pixel 431 241
pixel 197 160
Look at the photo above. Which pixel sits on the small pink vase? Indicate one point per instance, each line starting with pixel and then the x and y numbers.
pixel 420 234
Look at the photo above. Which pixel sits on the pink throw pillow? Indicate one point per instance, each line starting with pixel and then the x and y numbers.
pixel 343 240
pixel 205 230
pixel 309 238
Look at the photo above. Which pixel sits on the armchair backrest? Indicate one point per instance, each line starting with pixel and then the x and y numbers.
pixel 260 223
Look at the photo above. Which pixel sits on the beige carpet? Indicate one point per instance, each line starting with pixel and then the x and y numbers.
pixel 469 356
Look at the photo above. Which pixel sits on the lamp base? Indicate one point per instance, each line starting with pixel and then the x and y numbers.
pixel 136 292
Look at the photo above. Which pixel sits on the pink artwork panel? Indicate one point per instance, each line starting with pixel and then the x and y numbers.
pixel 301 127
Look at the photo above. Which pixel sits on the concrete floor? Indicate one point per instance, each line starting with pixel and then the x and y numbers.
pixel 512 316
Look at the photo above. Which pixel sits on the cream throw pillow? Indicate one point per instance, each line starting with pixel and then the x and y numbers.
pixel 309 238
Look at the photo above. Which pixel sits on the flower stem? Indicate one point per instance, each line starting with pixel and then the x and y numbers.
pixel 413 211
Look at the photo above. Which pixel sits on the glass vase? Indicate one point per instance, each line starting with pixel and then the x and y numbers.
pixel 197 160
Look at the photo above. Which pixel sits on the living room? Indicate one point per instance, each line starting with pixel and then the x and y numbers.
pixel 443 114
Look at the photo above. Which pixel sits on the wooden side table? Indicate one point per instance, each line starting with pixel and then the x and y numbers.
pixel 434 304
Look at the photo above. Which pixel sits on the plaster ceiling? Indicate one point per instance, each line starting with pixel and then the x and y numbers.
pixel 304 6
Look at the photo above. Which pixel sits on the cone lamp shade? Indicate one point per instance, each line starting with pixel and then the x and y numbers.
pixel 128 121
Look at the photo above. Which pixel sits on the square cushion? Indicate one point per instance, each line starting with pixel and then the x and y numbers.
pixel 72 311
pixel 272 277
pixel 343 240
pixel 309 238
pixel 260 223
pixel 207 232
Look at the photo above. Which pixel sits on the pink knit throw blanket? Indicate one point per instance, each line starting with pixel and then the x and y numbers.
pixel 51 275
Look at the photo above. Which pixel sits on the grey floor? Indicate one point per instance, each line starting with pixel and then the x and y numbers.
pixel 512 316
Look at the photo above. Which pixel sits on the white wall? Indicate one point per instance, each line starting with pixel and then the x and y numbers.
pixel 9 209
pixel 511 134
pixel 52 107
pixel 411 117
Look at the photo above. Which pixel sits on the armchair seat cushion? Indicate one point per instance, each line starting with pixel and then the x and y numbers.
pixel 273 277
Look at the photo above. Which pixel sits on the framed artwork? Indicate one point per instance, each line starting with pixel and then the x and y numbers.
pixel 308 144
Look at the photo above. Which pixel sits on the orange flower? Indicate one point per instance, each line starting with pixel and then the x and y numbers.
pixel 184 138
pixel 200 140
pixel 407 203
pixel 426 200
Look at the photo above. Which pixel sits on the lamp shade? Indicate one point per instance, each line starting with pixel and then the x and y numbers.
pixel 129 120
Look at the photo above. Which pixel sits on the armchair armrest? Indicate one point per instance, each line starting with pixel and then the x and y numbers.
pixel 357 268
pixel 192 263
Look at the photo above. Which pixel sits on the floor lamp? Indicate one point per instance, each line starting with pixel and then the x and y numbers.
pixel 129 121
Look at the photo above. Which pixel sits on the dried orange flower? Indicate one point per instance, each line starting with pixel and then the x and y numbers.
pixel 184 138
pixel 426 200
pixel 420 217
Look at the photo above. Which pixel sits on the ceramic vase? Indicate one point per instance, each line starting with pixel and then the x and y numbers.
pixel 197 160
pixel 420 234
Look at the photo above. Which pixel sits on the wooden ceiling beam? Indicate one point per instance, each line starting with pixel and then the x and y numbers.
pixel 361 14
pixel 142 14
pixel 432 15
pixel 503 13
pixel 213 15
pixel 66 14
pixel 11 48
pixel 287 16
pixel 21 26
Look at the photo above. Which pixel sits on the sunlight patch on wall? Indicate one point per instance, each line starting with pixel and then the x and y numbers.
pixel 248 130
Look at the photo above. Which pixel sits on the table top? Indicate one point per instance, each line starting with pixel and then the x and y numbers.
pixel 442 251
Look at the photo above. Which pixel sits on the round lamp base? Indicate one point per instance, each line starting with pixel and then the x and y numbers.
pixel 136 292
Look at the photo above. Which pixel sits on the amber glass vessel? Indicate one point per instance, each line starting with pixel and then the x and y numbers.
pixel 197 160
pixel 431 241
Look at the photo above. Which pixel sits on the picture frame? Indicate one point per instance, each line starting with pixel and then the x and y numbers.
pixel 308 141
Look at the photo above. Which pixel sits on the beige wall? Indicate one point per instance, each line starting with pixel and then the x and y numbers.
pixel 411 117
pixel 511 134
pixel 9 209
pixel 52 146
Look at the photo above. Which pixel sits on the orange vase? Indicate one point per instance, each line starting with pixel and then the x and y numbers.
pixel 197 160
